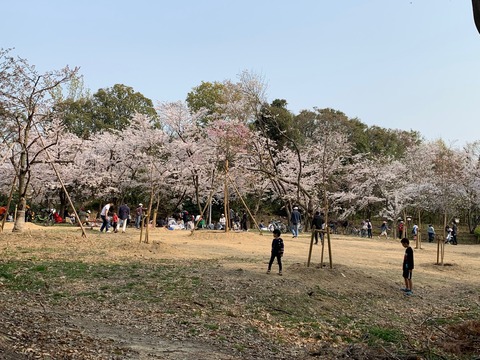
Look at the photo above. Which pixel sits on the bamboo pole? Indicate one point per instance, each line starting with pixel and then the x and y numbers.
pixel 226 207
pixel 150 204
pixel 244 204
pixel 203 210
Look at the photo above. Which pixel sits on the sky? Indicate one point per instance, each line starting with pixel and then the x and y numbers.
pixel 397 64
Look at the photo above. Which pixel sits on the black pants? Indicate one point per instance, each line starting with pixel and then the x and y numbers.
pixel 104 223
pixel 279 260
pixel 317 234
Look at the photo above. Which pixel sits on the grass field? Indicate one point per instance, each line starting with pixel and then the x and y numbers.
pixel 207 296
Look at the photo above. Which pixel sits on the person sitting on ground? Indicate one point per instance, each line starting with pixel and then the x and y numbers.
pixel 82 216
pixel 222 221
pixel 262 227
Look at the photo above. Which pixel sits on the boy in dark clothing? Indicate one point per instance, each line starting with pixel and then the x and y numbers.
pixel 407 266
pixel 454 233
pixel 277 251
pixel 317 224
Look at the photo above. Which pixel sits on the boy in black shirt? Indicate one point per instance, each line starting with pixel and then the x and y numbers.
pixel 277 251
pixel 407 266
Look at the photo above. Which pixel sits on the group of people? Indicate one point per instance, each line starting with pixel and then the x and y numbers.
pixel 236 222
pixel 121 218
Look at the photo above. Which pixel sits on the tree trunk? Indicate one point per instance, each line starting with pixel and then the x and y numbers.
pixel 20 220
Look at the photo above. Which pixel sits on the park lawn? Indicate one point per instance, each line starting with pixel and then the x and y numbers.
pixel 207 296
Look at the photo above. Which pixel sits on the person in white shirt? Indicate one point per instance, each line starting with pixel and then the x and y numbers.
pixel 104 216
pixel 222 221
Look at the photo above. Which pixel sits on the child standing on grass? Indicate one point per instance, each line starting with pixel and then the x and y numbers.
pixel 115 222
pixel 407 266
pixel 277 251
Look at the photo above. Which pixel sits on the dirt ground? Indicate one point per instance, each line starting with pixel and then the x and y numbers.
pixel 362 270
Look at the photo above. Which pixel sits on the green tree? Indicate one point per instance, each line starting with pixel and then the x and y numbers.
pixel 390 142
pixel 114 107
pixel 308 121
pixel 373 140
pixel 276 122
pixel 77 116
pixel 108 109
pixel 209 96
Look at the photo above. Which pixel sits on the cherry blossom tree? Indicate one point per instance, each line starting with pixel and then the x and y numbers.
pixel 192 163
pixel 469 181
pixel 26 102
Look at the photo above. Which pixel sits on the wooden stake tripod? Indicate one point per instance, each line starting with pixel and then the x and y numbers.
pixel 327 232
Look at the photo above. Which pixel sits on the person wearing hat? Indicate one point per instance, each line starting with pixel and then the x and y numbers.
pixel 295 219
pixel 138 215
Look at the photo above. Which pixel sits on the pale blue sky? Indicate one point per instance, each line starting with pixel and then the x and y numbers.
pixel 405 64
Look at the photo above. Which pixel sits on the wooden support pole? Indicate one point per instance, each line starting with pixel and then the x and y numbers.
pixel 329 248
pixel 84 234
pixel 203 210
pixel 310 248
pixel 245 205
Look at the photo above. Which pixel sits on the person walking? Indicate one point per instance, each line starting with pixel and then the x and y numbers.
pixel 369 229
pixel 138 215
pixel 383 230
pixel 244 222
pixel 104 216
pixel 431 233
pixel 277 251
pixel 401 226
pixel 454 233
pixel 415 231
pixel 318 224
pixel 408 266
pixel 232 219
pixel 448 239
pixel 123 215
pixel 295 219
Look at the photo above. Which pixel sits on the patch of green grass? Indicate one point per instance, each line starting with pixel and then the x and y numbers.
pixel 388 335
pixel 239 347
pixel 211 326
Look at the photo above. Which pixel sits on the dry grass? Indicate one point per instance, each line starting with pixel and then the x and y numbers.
pixel 207 296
